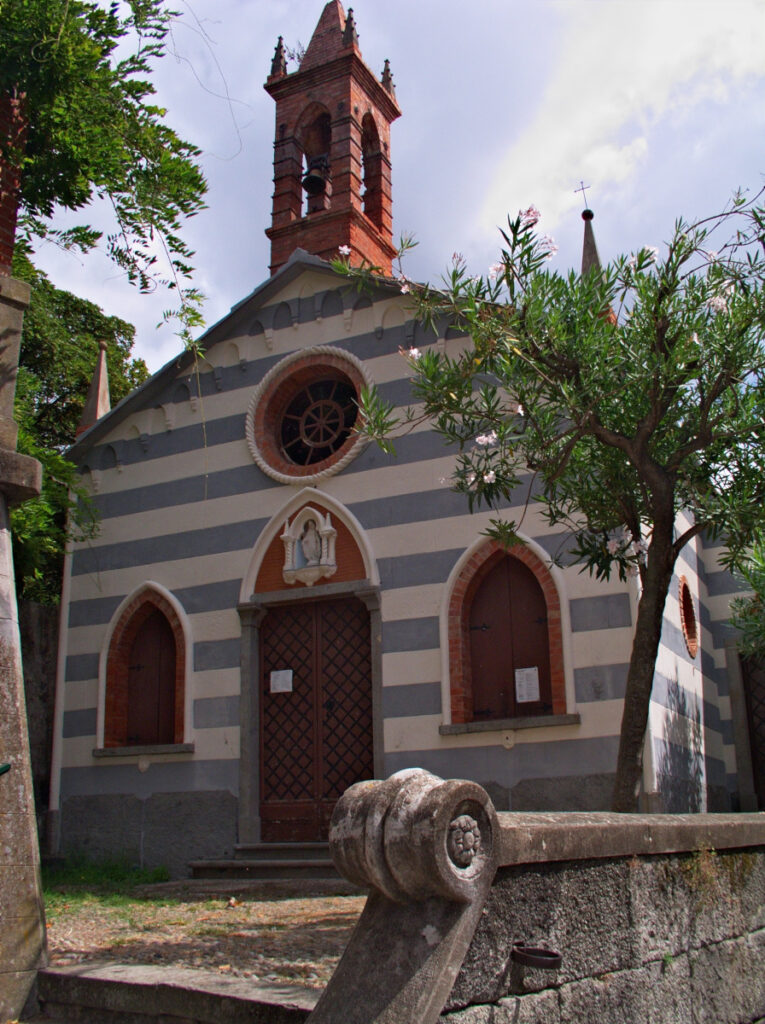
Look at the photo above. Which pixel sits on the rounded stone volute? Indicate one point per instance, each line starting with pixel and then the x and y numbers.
pixel 414 836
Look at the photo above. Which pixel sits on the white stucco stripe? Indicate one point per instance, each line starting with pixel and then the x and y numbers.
pixel 401 668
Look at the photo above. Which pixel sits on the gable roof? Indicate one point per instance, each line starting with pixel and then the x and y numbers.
pixel 299 263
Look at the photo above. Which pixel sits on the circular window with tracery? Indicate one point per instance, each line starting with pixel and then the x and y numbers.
pixel 688 618
pixel 301 418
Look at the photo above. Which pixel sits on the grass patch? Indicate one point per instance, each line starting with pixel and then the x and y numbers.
pixel 77 881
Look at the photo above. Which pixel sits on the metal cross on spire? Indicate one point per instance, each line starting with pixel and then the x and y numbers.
pixel 583 189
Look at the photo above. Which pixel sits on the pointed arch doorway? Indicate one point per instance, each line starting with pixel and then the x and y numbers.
pixel 310 707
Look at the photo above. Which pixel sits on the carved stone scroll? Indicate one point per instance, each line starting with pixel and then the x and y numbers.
pixel 427 848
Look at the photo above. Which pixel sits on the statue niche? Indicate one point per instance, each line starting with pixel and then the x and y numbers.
pixel 309 547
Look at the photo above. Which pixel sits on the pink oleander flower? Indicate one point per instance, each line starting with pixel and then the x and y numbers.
pixel 344 250
pixel 529 217
pixel 639 546
pixel 470 479
pixel 632 262
pixel 487 439
pixel 652 252
pixel 490 477
pixel 613 547
pixel 457 258
pixel 717 304
pixel 548 246
pixel 632 570
pixel 495 270
pixel 711 255
pixel 520 410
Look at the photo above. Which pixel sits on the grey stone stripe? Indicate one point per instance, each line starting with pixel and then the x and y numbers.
pixel 81 666
pixel 417 570
pixel 705 618
pixel 162 777
pixel 558 546
pixel 715 771
pixel 212 654
pixel 230 379
pixel 215 712
pixel 410 634
pixel 79 723
pixel 670 694
pixel 94 611
pixel 676 762
pixel 222 430
pixel 409 700
pixel 724 582
pixel 499 767
pixel 720 677
pixel 600 682
pixel 726 730
pixel 247 478
pixel 609 612
pixel 722 632
pixel 167 548
pixel 689 561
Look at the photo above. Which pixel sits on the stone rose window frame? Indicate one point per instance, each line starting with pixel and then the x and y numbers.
pixel 688 620
pixel 273 398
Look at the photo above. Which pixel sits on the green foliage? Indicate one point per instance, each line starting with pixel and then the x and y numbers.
pixel 628 403
pixel 59 349
pixel 748 613
pixel 82 73
pixel 78 882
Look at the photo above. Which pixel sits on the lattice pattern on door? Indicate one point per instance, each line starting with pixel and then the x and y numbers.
pixel 288 718
pixel 346 741
pixel 317 739
pixel 754 686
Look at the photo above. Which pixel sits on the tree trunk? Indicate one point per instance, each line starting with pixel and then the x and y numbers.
pixel 645 647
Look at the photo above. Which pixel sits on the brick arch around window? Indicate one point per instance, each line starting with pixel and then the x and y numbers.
pixel 130 618
pixel 465 587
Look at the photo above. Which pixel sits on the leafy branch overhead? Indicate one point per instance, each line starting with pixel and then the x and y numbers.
pixel 627 403
pixel 81 75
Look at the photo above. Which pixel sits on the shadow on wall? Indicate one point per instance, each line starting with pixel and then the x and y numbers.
pixel 680 761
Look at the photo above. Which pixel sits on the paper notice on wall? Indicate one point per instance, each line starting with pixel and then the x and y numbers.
pixel 281 681
pixel 526 684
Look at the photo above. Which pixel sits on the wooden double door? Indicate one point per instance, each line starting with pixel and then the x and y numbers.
pixel 316 714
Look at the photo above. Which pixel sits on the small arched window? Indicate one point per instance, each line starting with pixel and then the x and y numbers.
pixel 145 676
pixel 505 640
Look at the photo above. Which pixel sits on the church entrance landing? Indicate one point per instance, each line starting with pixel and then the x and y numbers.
pixel 316 713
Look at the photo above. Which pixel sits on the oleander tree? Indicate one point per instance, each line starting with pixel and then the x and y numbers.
pixel 627 404
pixel 81 123
pixel 749 611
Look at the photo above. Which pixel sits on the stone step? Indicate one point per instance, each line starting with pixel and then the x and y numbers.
pixel 300 868
pixel 132 994
pixel 282 851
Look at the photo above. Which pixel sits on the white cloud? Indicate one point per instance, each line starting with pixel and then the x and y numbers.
pixel 622 69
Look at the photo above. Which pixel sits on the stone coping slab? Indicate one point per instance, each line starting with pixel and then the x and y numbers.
pixel 535 837
pixel 170 993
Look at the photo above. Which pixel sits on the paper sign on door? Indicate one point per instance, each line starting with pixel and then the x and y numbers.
pixel 281 681
pixel 526 684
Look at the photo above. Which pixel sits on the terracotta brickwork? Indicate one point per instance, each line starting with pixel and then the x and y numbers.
pixel 473 573
pixel 277 396
pixel 333 81
pixel 350 561
pixel 12 134
pixel 130 621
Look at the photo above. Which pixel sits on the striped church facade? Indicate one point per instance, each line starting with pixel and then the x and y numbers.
pixel 195 532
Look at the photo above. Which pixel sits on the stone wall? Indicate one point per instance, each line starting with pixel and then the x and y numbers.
pixel 659 939
pixel 38 626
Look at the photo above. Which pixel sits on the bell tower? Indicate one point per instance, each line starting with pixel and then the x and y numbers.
pixel 332 170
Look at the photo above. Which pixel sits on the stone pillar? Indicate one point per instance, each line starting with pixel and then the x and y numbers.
pixel 22 919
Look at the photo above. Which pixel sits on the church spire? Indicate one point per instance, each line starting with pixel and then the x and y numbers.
pixel 332 169
pixel 97 401
pixel 279 63
pixel 590 258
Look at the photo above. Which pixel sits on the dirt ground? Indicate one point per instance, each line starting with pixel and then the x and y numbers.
pixel 263 936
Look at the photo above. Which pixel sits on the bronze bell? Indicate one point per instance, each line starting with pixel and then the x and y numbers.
pixel 315 180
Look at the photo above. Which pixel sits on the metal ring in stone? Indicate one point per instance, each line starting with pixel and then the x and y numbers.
pixel 532 956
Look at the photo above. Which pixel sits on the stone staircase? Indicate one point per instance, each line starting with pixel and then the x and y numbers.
pixel 271 862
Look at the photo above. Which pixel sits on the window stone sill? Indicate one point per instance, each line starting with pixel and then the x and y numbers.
pixel 508 724
pixel 150 749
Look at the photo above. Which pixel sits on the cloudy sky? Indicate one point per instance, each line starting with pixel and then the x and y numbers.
pixel 658 105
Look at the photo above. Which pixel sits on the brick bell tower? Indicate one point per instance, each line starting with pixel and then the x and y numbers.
pixel 332 170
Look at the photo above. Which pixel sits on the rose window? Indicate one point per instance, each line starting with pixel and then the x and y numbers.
pixel 301 418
